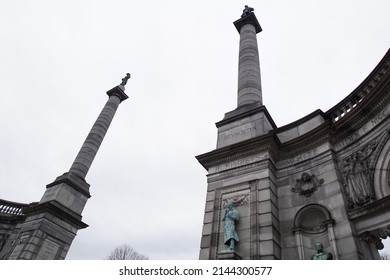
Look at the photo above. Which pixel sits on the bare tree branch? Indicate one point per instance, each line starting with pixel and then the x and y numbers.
pixel 125 252
pixel 385 256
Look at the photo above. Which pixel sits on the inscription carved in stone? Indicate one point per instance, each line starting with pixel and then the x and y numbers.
pixel 240 162
pixel 364 129
pixel 240 132
pixel 303 156
pixel 307 184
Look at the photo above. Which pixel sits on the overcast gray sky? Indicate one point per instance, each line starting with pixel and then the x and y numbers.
pixel 58 59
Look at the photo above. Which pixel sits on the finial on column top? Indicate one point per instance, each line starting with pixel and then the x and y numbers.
pixel 125 79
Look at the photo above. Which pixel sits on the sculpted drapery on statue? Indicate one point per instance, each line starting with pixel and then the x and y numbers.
pixel 230 218
pixel 356 170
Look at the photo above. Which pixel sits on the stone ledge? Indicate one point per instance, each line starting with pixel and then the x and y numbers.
pixel 228 256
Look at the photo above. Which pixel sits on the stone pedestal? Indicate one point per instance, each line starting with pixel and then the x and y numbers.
pixel 228 255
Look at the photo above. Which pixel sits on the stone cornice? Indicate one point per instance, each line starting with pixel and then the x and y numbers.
pixel 239 150
pixel 246 111
pixel 270 143
pixel 56 209
pixel 74 181
pixel 370 209
pixel 305 142
pixel 296 123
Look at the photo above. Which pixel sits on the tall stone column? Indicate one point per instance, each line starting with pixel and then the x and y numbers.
pixel 52 224
pixel 242 167
pixel 88 151
pixel 249 81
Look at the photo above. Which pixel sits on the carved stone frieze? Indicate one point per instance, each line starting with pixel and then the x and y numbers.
pixel 307 184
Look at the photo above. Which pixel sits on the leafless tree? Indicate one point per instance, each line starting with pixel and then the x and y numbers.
pixel 125 252
pixel 385 256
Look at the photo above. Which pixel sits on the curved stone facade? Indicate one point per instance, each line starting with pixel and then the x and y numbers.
pixel 323 178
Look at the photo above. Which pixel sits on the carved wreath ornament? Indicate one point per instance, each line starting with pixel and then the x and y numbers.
pixel 307 184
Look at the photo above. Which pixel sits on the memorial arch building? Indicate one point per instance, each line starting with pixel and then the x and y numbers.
pixel 323 178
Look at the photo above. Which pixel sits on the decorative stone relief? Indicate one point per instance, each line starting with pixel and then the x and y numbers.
pixel 355 171
pixel 3 239
pixel 238 200
pixel 384 232
pixel 371 238
pixel 307 184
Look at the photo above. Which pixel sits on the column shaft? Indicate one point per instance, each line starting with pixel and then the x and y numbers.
pixel 249 81
pixel 88 151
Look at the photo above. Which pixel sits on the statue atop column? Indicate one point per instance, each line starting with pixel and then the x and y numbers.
pixel 230 218
pixel 247 11
pixel 125 79
pixel 321 255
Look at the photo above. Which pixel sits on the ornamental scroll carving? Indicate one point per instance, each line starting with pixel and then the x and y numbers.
pixel 356 173
pixel 307 184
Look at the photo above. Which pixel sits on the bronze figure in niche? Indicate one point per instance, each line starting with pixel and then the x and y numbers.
pixel 230 218
pixel 321 255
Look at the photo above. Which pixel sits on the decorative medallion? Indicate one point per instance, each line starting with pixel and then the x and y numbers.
pixel 307 184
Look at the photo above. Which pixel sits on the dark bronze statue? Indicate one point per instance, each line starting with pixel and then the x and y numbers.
pixel 125 79
pixel 247 11
pixel 321 255
pixel 230 218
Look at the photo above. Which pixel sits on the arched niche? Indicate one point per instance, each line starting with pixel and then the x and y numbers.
pixel 313 223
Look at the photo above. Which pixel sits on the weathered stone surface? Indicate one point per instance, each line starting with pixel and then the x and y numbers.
pixel 323 178
pixel 45 230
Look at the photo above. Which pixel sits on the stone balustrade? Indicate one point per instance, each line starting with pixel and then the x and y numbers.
pixel 12 208
pixel 351 101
